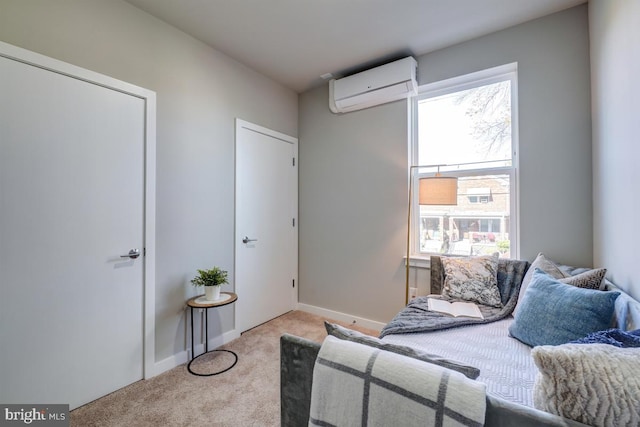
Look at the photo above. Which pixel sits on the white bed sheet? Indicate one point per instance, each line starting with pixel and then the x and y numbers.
pixel 505 364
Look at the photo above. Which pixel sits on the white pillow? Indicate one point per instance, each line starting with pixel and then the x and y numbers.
pixel 595 384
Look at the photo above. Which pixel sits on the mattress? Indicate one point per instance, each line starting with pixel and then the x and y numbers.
pixel 506 365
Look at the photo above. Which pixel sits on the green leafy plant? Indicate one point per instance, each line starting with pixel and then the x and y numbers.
pixel 213 277
pixel 503 246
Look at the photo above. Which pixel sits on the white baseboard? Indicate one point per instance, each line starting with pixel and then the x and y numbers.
pixel 184 356
pixel 216 342
pixel 343 317
pixel 169 363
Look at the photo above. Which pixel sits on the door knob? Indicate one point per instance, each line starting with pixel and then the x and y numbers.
pixel 133 254
pixel 247 240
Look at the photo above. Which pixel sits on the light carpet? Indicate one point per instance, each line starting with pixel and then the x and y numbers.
pixel 246 395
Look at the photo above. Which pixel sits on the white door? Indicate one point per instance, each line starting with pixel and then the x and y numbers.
pixel 266 233
pixel 72 202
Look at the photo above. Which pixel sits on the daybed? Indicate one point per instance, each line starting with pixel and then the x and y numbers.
pixel 505 364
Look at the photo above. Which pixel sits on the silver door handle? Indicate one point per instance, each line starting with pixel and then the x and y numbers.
pixel 133 254
pixel 247 240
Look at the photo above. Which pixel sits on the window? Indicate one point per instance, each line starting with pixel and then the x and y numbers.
pixel 479 195
pixel 466 127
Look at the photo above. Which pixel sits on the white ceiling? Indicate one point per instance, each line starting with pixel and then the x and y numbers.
pixel 296 41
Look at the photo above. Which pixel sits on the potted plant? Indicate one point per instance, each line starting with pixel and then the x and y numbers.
pixel 212 280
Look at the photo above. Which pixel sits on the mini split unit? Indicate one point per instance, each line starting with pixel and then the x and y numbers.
pixel 390 82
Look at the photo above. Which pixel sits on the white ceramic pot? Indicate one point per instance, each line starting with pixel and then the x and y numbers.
pixel 212 293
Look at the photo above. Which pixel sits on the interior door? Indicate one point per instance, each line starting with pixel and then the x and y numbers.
pixel 71 204
pixel 266 233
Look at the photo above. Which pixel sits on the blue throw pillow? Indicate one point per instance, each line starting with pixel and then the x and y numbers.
pixel 615 337
pixel 554 313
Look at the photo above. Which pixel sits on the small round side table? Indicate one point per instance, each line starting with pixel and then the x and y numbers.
pixel 226 298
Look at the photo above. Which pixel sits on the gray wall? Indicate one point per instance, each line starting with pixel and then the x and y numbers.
pixel 353 174
pixel 615 67
pixel 554 125
pixel 199 94
pixel 352 240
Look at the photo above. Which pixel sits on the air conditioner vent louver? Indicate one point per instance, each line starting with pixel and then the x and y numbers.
pixel 386 83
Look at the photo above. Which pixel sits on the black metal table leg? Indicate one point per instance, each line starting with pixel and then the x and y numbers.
pixel 192 303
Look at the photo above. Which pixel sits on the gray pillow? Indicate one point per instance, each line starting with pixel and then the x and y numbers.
pixel 591 279
pixel 355 336
pixel 472 279
pixel 553 313
pixel 544 264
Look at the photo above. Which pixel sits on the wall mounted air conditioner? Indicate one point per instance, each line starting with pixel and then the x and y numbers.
pixel 386 83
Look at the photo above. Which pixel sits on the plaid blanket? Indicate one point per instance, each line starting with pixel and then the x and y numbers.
pixel 358 385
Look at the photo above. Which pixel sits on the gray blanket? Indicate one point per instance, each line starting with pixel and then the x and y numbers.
pixel 416 317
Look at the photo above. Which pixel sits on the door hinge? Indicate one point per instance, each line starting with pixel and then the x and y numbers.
pixel 294 283
pixel 294 161
pixel 144 251
pixel 293 222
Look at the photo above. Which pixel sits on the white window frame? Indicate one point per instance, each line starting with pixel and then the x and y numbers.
pixel 457 84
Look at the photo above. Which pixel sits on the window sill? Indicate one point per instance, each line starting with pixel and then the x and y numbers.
pixel 418 262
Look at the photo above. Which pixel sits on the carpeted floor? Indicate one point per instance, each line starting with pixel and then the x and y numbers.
pixel 246 395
